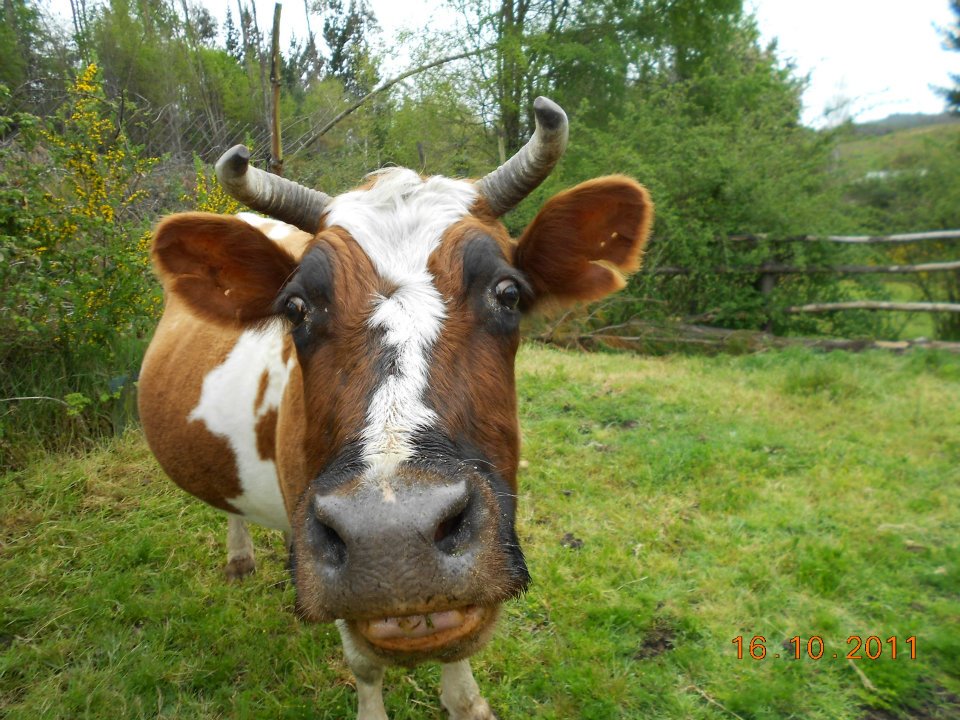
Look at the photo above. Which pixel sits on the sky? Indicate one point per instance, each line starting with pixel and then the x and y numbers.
pixel 879 57
pixel 870 58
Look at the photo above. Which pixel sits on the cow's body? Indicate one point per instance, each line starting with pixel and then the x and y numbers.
pixel 377 426
pixel 218 406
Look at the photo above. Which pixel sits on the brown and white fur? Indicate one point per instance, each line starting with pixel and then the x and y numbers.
pixel 355 389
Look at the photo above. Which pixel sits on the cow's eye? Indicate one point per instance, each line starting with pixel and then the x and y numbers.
pixel 508 294
pixel 295 310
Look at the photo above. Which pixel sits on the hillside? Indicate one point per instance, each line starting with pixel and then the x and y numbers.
pixel 904 121
pixel 896 150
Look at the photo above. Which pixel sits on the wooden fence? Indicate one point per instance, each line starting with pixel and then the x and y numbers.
pixel 769 272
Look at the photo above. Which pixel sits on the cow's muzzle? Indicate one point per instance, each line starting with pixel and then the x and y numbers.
pixel 417 566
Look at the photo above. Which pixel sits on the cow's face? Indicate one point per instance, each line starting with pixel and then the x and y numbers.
pixel 397 440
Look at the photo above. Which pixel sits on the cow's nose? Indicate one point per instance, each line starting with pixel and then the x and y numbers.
pixel 440 514
pixel 409 536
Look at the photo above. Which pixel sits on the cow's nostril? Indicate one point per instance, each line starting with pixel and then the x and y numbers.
pixel 332 545
pixel 449 527
pixel 453 532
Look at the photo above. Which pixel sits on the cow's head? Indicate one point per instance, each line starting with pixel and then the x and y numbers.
pixel 397 440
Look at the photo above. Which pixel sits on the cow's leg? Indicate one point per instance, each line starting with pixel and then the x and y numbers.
pixel 369 675
pixel 239 549
pixel 460 694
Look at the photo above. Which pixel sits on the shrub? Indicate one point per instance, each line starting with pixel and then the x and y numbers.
pixel 77 298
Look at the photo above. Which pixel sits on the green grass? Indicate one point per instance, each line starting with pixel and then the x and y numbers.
pixel 893 151
pixel 778 494
pixel 37 385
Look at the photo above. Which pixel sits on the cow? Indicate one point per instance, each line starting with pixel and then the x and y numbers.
pixel 342 369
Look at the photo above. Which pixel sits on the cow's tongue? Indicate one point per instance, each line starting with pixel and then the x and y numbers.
pixel 415 626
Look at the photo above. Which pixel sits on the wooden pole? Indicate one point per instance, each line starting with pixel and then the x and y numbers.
pixel 857 239
pixel 768 282
pixel 769 269
pixel 276 146
pixel 876 305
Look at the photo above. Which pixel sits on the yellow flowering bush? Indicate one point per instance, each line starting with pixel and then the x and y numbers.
pixel 75 275
pixel 208 193
pixel 77 294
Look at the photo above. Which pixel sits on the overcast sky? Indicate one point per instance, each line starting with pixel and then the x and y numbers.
pixel 879 57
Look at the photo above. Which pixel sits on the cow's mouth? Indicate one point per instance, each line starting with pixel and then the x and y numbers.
pixel 423 633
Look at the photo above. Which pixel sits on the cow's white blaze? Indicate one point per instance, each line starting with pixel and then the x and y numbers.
pixel 229 408
pixel 399 222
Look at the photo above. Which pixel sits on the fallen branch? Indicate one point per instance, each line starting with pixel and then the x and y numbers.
pixel 35 397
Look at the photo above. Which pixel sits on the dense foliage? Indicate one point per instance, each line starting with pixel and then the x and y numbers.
pixel 680 94
pixel 76 294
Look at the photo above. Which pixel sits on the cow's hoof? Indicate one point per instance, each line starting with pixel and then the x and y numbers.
pixel 486 714
pixel 478 710
pixel 239 567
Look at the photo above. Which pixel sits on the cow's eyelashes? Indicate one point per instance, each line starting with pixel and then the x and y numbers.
pixel 295 310
pixel 508 294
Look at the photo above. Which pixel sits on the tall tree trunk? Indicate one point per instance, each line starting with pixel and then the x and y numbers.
pixel 276 146
pixel 78 9
pixel 262 61
pixel 313 56
pixel 513 73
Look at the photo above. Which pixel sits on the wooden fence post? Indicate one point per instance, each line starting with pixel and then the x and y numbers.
pixel 768 281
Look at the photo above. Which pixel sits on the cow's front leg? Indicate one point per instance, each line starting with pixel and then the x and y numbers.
pixel 369 675
pixel 460 694
pixel 240 561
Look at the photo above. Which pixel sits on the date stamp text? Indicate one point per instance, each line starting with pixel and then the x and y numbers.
pixel 857 647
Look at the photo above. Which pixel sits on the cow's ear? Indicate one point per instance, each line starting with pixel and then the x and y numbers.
pixel 223 268
pixel 586 240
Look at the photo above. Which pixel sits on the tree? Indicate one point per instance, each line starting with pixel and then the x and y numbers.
pixel 503 85
pixel 432 129
pixel 951 40
pixel 18 34
pixel 232 37
pixel 34 59
pixel 161 56
pixel 347 31
pixel 714 132
pixel 585 54
pixel 682 95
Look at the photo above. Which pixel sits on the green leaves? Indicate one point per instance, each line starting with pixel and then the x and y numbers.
pixel 76 403
pixel 75 283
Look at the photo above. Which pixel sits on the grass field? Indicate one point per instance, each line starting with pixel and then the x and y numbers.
pixel 903 149
pixel 669 506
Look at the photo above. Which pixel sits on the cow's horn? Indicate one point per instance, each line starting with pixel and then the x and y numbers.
pixel 272 195
pixel 517 177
